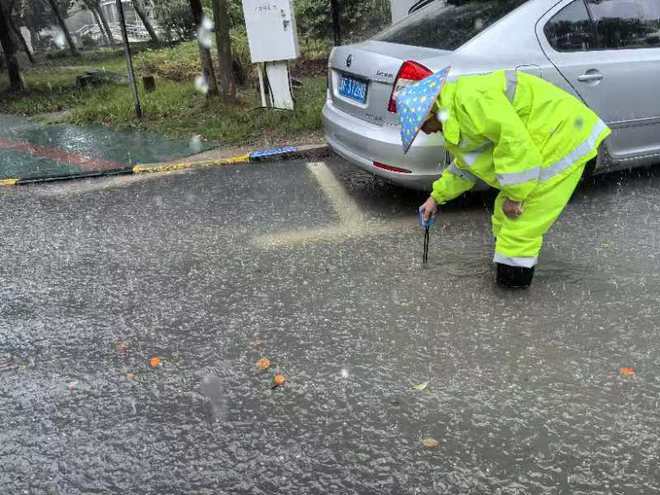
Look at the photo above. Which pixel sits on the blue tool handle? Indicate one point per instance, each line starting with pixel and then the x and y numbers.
pixel 425 224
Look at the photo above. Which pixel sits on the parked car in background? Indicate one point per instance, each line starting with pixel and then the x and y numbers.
pixel 605 52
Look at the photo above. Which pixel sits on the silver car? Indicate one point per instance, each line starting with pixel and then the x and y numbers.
pixel 606 52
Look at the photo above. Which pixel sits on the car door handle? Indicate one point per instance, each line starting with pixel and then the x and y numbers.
pixel 590 77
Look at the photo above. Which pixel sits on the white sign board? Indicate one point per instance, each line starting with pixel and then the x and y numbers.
pixel 271 29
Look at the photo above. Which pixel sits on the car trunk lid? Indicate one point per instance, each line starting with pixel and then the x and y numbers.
pixel 362 77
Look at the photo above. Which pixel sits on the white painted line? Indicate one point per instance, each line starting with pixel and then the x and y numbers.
pixel 353 222
pixel 335 234
pixel 347 209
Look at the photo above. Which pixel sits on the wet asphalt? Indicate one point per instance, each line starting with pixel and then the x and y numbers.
pixel 318 268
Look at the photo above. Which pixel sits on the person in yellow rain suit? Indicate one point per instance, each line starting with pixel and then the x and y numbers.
pixel 519 134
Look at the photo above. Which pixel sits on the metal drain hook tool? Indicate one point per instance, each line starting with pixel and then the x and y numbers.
pixel 426 225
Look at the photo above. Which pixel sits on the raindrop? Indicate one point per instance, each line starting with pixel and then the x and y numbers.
pixel 344 373
pixel 196 143
pixel 478 24
pixel 207 24
pixel 60 40
pixel 443 115
pixel 201 84
pixel 579 123
pixel 204 37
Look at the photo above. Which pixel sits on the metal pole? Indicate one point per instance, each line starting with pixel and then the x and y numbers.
pixel 261 85
pixel 129 60
pixel 335 7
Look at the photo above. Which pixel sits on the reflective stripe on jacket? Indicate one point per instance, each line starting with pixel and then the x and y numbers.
pixel 513 131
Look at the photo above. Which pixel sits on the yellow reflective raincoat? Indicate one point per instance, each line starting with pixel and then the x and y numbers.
pixel 523 136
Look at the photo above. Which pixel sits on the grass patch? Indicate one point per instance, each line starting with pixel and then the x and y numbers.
pixel 174 109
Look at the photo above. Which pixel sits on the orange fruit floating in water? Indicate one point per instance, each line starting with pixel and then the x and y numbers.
pixel 278 380
pixel 627 372
pixel 263 363
pixel 154 362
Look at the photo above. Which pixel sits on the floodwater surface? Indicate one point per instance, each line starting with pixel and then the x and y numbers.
pixel 31 149
pixel 553 390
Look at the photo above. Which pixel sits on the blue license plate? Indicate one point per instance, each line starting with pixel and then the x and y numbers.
pixel 353 89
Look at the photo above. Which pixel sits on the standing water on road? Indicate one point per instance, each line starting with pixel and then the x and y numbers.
pixel 139 350
pixel 30 149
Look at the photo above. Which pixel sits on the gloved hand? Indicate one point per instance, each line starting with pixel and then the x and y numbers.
pixel 512 209
pixel 429 208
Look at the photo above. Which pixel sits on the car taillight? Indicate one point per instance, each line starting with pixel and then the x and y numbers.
pixel 409 73
pixel 392 168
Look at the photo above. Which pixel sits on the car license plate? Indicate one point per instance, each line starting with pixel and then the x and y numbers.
pixel 353 89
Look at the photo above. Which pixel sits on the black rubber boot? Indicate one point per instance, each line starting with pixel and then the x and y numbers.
pixel 514 277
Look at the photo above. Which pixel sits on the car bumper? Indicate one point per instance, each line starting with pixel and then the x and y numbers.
pixel 362 144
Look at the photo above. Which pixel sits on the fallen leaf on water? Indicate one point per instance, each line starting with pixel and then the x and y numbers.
pixel 278 380
pixel 263 363
pixel 430 443
pixel 627 372
pixel 421 386
pixel 130 376
pixel 154 362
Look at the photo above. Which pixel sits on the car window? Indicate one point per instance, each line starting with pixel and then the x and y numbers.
pixel 626 23
pixel 571 29
pixel 448 24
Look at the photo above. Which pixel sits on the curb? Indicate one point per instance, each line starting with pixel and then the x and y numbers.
pixel 272 154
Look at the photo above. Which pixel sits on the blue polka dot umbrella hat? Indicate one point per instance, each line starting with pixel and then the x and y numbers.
pixel 414 103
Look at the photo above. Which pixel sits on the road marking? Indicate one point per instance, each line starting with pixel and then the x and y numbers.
pixel 353 223
pixel 347 209
pixel 336 233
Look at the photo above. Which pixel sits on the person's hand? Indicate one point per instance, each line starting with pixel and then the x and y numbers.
pixel 512 209
pixel 429 208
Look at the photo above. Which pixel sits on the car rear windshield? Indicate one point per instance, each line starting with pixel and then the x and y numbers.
pixel 447 24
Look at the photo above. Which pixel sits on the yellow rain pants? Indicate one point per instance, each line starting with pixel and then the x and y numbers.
pixel 519 240
pixel 525 137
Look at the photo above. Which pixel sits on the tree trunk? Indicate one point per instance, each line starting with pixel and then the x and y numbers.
pixel 137 5
pixel 13 69
pixel 65 30
pixel 17 32
pixel 226 82
pixel 25 12
pixel 104 21
pixel 204 53
pixel 100 26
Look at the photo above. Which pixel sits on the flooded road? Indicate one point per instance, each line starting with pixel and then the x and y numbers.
pixel 30 149
pixel 318 268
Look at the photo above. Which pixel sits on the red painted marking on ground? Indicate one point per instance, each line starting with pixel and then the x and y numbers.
pixel 86 163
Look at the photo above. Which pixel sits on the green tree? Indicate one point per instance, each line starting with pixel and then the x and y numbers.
pixel 176 19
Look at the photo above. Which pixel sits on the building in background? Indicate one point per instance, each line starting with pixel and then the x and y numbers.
pixel 81 21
